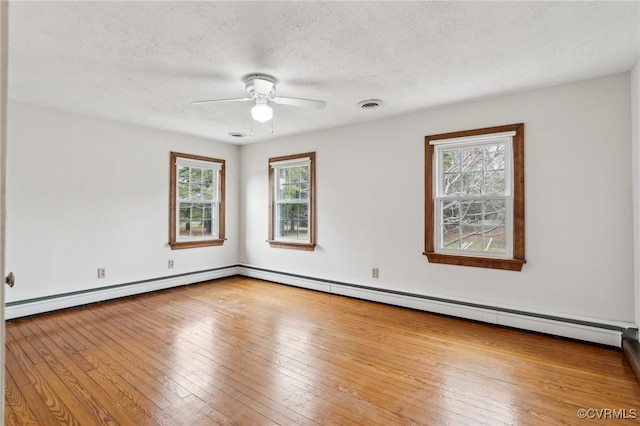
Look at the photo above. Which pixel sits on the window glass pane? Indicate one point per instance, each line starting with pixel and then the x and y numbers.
pixel 304 190
pixel 494 157
pixel 197 212
pixel 208 230
pixel 284 218
pixel 292 220
pixel 450 184
pixel 197 227
pixel 304 174
pixel 303 213
pixel 185 211
pixel 207 191
pixel 294 174
pixel 494 212
pixel 196 175
pixel 208 211
pixel 494 183
pixel 303 230
pixel 471 212
pixel 185 228
pixel 195 191
pixel 450 162
pixel 494 239
pixel 288 192
pixel 471 239
pixel 293 183
pixel 183 191
pixel 450 212
pixel 472 183
pixel 451 236
pixel 183 174
pixel 207 176
pixel 472 159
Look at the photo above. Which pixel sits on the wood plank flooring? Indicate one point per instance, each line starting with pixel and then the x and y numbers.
pixel 238 351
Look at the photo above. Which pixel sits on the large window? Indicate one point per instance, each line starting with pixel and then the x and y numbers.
pixel 196 207
pixel 292 201
pixel 475 197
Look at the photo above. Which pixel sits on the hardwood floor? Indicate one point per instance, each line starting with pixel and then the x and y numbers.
pixel 240 351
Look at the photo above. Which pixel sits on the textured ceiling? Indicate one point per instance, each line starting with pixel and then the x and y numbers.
pixel 144 62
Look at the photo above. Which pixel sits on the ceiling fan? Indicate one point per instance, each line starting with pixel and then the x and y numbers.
pixel 261 89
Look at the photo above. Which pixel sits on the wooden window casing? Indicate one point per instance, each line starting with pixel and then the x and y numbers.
pixel 274 240
pixel 175 241
pixel 517 259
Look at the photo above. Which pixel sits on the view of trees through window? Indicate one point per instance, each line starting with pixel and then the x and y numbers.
pixel 293 202
pixel 196 201
pixel 472 201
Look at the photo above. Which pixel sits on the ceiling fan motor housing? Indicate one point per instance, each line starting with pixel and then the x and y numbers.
pixel 260 85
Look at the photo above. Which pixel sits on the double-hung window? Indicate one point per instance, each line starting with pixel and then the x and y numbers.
pixel 475 197
pixel 292 201
pixel 196 201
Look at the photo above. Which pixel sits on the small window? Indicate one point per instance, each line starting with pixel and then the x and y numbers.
pixel 292 201
pixel 196 206
pixel 475 197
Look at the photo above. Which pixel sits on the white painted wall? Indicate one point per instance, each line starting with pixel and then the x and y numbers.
pixel 68 213
pixel 370 193
pixel 635 159
pixel 84 193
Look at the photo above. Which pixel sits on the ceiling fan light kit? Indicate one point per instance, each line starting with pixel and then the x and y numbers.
pixel 262 112
pixel 261 89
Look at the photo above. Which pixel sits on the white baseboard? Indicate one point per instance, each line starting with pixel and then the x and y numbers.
pixel 565 329
pixel 601 331
pixel 64 301
pixel 285 279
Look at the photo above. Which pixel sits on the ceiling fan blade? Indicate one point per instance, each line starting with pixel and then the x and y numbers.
pixel 222 100
pixel 299 102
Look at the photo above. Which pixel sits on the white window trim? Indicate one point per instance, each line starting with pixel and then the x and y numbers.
pixel 441 145
pixel 302 161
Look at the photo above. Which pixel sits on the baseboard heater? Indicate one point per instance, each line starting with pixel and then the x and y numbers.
pixel 41 305
pixel 597 331
pixel 603 332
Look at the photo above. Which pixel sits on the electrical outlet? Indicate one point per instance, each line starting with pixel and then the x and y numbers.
pixel 102 272
pixel 375 272
pixel 170 263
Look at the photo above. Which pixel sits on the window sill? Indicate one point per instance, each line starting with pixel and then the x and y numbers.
pixel 194 244
pixel 289 245
pixel 479 262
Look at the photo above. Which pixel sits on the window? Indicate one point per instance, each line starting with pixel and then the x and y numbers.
pixel 196 206
pixel 474 196
pixel 292 201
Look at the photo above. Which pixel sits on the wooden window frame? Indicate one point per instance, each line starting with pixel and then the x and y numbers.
pixel 217 241
pixel 276 243
pixel 517 260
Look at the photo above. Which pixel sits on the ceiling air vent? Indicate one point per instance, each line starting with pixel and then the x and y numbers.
pixel 370 104
pixel 237 134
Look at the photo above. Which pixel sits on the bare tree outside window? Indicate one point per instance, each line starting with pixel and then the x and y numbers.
pixel 474 197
